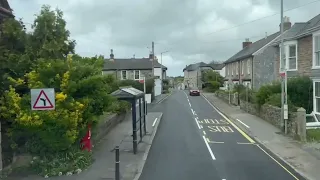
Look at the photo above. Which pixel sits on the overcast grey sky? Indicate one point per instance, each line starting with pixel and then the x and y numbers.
pixel 191 30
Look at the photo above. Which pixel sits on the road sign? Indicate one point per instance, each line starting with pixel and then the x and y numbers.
pixel 282 74
pixel 43 99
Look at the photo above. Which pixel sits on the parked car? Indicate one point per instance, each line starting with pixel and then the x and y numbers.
pixel 194 92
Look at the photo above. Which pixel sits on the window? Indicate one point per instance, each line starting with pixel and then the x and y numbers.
pixel 123 74
pixel 289 59
pixel 248 66
pixel 242 67
pixel 316 96
pixel 316 50
pixel 136 74
pixel 231 69
pixel 237 68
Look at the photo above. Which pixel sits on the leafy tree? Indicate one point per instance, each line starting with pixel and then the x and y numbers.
pixel 50 38
pixel 210 75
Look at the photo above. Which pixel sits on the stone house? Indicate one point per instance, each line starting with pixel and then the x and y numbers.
pixel 192 73
pixel 253 65
pixel 302 54
pixel 135 69
pixel 5 10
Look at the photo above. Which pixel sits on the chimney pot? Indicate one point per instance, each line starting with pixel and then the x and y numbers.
pixel 286 23
pixel 111 55
pixel 246 43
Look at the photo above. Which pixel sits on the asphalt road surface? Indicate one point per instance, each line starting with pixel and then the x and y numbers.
pixel 196 142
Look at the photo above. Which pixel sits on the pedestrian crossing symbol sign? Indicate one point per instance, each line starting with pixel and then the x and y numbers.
pixel 43 99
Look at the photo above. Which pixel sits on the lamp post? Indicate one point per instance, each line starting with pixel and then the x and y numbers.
pixel 162 70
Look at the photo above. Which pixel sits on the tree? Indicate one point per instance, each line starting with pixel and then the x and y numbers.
pixel 50 37
pixel 210 75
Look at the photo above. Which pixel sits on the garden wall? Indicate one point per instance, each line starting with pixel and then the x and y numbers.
pixel 225 97
pixel 271 114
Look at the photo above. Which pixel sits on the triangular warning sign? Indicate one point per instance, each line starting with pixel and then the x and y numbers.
pixel 42 102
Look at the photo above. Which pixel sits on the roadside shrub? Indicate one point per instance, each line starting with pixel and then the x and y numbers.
pixel 248 95
pixel 300 90
pixel 214 86
pixel 133 83
pixel 267 90
pixel 239 88
pixel 275 100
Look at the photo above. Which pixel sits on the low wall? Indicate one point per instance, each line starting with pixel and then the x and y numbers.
pixel 106 123
pixel 225 97
pixel 272 115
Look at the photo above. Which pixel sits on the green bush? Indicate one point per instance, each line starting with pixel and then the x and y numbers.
pixel 248 95
pixel 133 83
pixel 300 91
pixel 313 134
pixel 267 90
pixel 214 86
pixel 275 100
pixel 239 88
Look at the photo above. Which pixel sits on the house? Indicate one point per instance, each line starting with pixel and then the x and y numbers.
pixel 5 10
pixel 302 54
pixel 192 73
pixel 135 69
pixel 253 66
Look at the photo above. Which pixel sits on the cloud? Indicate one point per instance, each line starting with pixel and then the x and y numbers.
pixel 191 30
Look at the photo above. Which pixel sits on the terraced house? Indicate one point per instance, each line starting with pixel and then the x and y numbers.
pixel 135 69
pixel 302 54
pixel 192 73
pixel 5 10
pixel 254 65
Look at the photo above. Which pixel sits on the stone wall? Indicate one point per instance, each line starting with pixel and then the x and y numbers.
pixel 225 97
pixel 272 115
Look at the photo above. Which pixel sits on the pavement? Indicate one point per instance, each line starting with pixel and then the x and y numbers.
pixel 304 158
pixel 131 164
pixel 196 141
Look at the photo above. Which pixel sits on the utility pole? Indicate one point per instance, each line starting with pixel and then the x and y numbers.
pixel 284 96
pixel 152 59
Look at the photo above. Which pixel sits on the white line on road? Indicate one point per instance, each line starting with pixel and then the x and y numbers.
pixel 154 122
pixel 243 123
pixel 189 104
pixel 204 133
pixel 197 123
pixel 210 151
pixel 192 111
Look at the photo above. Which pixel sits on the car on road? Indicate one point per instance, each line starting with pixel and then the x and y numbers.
pixel 194 92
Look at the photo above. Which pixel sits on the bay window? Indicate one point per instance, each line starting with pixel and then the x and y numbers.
pixel 316 96
pixel 289 60
pixel 316 50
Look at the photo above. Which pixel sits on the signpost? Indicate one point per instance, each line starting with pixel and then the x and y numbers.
pixel 43 99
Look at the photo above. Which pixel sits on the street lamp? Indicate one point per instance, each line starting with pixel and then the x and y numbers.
pixel 162 70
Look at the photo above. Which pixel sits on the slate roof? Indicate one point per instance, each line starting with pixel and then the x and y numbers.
pixel 131 64
pixel 299 30
pixel 195 66
pixel 248 51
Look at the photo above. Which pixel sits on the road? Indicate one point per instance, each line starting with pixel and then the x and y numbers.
pixel 195 141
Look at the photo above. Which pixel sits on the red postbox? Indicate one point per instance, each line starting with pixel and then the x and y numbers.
pixel 85 142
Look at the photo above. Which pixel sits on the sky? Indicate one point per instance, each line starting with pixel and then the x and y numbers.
pixel 189 31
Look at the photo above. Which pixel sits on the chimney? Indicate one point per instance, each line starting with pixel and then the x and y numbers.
pixel 151 56
pixel 246 43
pixel 286 23
pixel 111 55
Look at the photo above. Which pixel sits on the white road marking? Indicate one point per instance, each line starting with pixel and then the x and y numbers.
pixel 189 104
pixel 154 122
pixel 192 111
pixel 197 123
pixel 243 123
pixel 204 133
pixel 164 98
pixel 224 179
pixel 200 126
pixel 210 151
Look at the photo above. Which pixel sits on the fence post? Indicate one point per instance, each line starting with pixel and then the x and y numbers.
pixel 117 171
pixel 301 122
